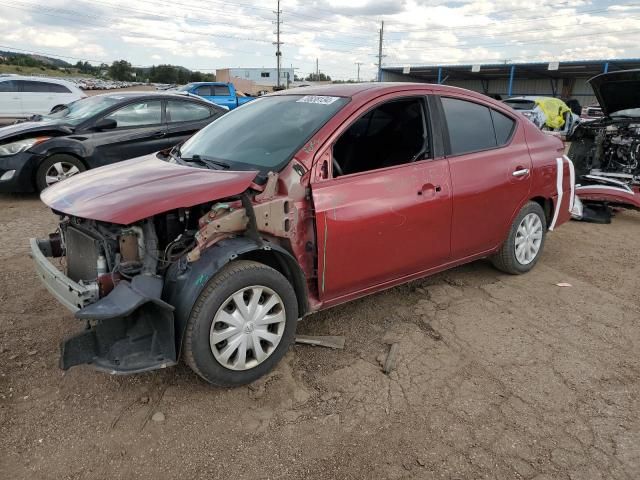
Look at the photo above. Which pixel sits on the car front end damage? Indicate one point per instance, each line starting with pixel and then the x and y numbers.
pixel 134 285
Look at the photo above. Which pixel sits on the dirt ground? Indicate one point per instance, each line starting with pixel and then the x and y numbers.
pixel 497 377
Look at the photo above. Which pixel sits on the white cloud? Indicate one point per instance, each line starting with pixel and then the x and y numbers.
pixel 215 35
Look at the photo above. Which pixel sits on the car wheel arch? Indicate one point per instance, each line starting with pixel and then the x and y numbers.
pixel 51 154
pixel 185 281
pixel 547 206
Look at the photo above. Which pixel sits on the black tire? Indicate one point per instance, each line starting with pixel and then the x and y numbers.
pixel 232 278
pixel 505 259
pixel 47 163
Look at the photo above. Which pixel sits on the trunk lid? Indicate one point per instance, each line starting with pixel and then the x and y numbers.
pixel 133 190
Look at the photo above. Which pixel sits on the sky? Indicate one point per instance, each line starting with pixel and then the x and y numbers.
pixel 219 34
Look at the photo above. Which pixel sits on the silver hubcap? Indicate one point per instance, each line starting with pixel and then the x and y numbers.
pixel 60 171
pixel 528 238
pixel 247 328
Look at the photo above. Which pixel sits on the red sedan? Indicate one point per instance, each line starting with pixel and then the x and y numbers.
pixel 293 203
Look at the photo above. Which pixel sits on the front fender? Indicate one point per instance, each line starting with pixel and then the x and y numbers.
pixel 184 282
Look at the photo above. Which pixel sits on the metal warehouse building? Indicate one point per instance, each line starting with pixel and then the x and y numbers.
pixel 566 80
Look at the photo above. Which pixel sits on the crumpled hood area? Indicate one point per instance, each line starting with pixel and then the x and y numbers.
pixel 617 91
pixel 133 190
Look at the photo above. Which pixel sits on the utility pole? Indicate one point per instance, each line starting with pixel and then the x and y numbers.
pixel 317 71
pixel 358 64
pixel 277 43
pixel 380 51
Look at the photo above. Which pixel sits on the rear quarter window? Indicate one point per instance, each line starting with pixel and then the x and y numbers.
pixel 503 126
pixel 57 88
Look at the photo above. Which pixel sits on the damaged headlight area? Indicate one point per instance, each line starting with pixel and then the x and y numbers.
pixel 113 279
pixel 13 148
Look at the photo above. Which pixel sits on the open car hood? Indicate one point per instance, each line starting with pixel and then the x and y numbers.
pixel 133 190
pixel 617 91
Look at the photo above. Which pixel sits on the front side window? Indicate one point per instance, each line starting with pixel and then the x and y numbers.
pixel 178 111
pixel 138 114
pixel 392 134
pixel 263 134
pixel 470 126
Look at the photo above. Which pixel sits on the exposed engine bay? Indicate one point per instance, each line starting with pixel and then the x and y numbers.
pixel 608 148
pixel 135 284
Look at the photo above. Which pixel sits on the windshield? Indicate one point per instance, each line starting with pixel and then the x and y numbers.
pixel 263 134
pixel 184 88
pixel 77 112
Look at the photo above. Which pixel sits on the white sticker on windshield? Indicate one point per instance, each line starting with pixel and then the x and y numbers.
pixel 321 99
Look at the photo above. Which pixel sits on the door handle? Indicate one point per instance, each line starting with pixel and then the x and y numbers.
pixel 521 172
pixel 431 188
pixel 159 134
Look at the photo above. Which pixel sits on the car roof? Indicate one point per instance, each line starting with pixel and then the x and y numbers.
pixel 529 98
pixel 370 90
pixel 60 81
pixel 152 94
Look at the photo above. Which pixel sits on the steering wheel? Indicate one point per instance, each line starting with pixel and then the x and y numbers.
pixel 336 168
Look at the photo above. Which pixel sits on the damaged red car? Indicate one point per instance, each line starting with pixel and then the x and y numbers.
pixel 293 203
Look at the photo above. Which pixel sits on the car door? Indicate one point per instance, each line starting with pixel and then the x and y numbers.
pixel 140 130
pixel 10 99
pixel 222 96
pixel 186 117
pixel 37 99
pixel 387 216
pixel 490 173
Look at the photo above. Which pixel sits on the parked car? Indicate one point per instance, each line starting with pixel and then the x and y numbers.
pixel 223 94
pixel 96 131
pixel 21 97
pixel 547 113
pixel 297 202
pixel 591 112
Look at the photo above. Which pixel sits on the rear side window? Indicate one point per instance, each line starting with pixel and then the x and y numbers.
pixel 9 86
pixel 178 111
pixel 470 126
pixel 503 126
pixel 221 91
pixel 204 91
pixel 57 88
pixel 138 114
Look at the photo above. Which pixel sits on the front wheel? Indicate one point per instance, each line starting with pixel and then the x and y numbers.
pixel 57 168
pixel 523 247
pixel 241 325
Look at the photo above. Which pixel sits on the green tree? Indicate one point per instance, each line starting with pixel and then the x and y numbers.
pixel 121 70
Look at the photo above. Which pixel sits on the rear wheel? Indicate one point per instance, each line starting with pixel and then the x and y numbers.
pixel 241 325
pixel 57 168
pixel 523 247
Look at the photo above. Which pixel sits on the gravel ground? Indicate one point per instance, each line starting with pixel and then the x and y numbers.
pixel 497 377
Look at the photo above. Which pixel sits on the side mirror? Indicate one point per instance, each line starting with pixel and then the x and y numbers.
pixel 105 124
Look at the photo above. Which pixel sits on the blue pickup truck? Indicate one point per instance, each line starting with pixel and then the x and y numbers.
pixel 223 94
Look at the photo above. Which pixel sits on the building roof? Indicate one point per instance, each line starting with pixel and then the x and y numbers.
pixel 569 69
